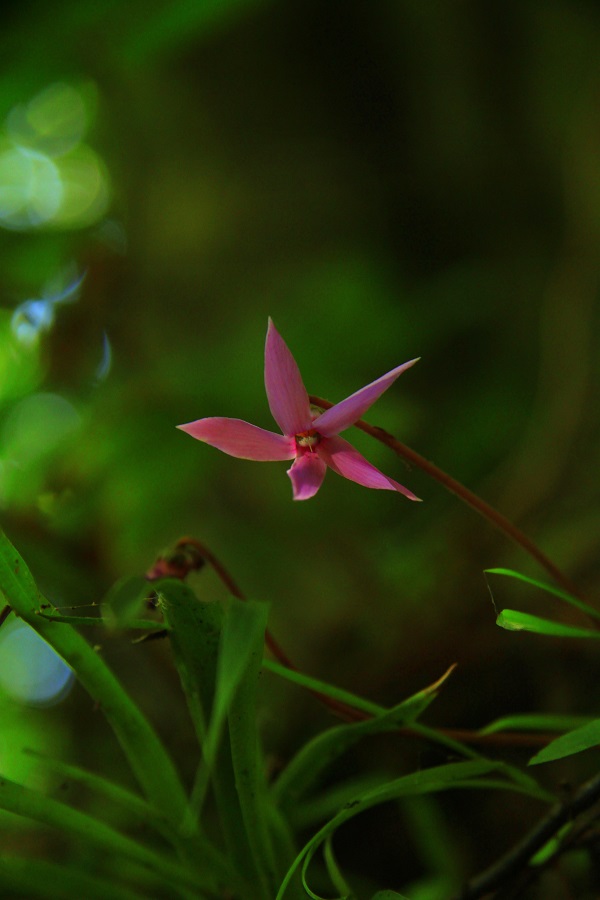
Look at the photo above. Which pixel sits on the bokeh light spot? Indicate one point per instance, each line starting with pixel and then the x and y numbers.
pixel 31 188
pixel 37 425
pixel 48 176
pixel 54 121
pixel 85 188
pixel 31 672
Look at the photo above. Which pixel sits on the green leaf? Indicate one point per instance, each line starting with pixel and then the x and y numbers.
pixel 243 631
pixel 37 878
pixel 322 687
pixel 149 761
pixel 439 778
pixel 534 722
pixel 549 589
pixel 545 853
pixel 146 755
pixel 195 629
pixel 23 801
pixel 139 811
pixel 388 895
pixel 240 661
pixel 125 600
pixel 333 869
pixel 307 767
pixel 195 634
pixel 513 620
pixel 582 738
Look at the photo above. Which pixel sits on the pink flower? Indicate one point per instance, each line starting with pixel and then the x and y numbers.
pixel 310 435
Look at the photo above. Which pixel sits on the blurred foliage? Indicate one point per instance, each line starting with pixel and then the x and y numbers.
pixel 385 180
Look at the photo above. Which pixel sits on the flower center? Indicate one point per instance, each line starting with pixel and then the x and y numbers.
pixel 308 439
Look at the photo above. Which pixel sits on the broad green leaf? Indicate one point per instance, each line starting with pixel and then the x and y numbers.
pixel 439 778
pixel 146 755
pixel 568 744
pixel 238 670
pixel 307 767
pixel 549 589
pixel 125 600
pixel 514 620
pixel 534 722
pixel 195 634
pixel 242 632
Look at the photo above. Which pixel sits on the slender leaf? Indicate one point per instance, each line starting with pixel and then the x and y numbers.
pixel 514 620
pixel 549 589
pixel 147 757
pixel 37 878
pixel 388 895
pixel 582 738
pixel 240 661
pixel 195 638
pixel 34 805
pixel 135 806
pixel 149 761
pixel 333 869
pixel 322 805
pixel 439 778
pixel 534 722
pixel 307 767
pixel 322 687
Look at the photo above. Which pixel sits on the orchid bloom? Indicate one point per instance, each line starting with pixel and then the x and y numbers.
pixel 309 434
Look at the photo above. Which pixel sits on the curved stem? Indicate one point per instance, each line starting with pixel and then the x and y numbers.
pixel 350 713
pixel 341 709
pixel 518 859
pixel 463 493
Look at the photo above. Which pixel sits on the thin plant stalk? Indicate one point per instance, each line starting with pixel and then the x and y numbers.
pixel 484 509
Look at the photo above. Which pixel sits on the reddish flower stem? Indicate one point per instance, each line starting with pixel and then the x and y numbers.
pixel 341 709
pixel 344 710
pixel 463 493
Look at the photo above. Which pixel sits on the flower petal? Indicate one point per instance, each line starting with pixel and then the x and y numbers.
pixel 348 462
pixel 307 475
pixel 241 439
pixel 286 393
pixel 346 413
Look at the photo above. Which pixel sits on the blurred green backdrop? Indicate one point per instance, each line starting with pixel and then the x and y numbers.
pixel 385 180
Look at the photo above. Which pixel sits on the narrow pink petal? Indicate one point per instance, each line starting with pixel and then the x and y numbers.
pixel 307 475
pixel 345 460
pixel 346 413
pixel 286 393
pixel 241 439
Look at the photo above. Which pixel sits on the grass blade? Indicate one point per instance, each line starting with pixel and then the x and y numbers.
pixel 549 589
pixel 582 738
pixel 514 620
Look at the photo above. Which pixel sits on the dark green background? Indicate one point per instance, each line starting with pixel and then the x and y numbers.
pixel 386 180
